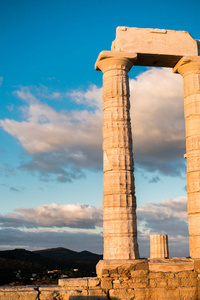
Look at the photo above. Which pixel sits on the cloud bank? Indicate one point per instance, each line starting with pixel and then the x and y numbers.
pixel 63 143
pixel 167 217
pixel 158 121
pixel 54 215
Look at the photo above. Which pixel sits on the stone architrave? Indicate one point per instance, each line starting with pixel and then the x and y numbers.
pixel 189 68
pixel 119 203
pixel 159 246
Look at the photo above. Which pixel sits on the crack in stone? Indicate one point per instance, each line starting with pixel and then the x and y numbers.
pixel 38 290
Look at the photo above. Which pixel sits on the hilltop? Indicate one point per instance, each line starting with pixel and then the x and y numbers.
pixel 21 264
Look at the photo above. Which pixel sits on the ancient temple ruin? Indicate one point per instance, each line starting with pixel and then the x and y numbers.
pixel 144 47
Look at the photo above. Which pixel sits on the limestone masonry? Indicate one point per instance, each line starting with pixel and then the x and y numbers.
pixel 139 280
pixel 122 274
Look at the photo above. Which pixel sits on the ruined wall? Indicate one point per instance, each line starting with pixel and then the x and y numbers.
pixel 169 279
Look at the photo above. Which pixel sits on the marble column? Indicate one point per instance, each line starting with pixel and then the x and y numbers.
pixel 159 246
pixel 119 202
pixel 189 68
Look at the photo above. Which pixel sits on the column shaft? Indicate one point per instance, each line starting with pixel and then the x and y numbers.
pixel 119 203
pixel 190 70
pixel 159 246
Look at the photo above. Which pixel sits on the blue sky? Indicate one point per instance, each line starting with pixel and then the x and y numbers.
pixel 50 123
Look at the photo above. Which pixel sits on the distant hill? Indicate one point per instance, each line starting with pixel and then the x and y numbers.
pixel 41 260
pixel 63 254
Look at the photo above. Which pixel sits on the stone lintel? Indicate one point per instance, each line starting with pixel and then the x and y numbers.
pixel 141 59
pixel 155 42
pixel 156 60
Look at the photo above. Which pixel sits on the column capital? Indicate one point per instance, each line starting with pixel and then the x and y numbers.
pixel 188 65
pixel 111 60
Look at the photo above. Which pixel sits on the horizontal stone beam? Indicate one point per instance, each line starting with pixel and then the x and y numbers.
pixel 155 47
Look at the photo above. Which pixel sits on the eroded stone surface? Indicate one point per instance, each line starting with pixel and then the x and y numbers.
pixel 18 293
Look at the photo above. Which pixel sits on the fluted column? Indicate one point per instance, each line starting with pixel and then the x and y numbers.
pixel 159 246
pixel 119 203
pixel 189 68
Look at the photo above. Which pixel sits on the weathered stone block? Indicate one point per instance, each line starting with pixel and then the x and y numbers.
pixel 153 283
pixel 161 282
pixel 19 295
pixel 122 294
pixel 140 282
pixel 93 281
pixel 106 283
pixel 139 273
pixel 188 293
pixel 55 293
pixel 141 294
pixel 142 265
pixel 97 294
pixel 174 282
pixel 184 274
pixel 156 275
pixel 113 271
pixel 171 265
pixel 189 282
pixel 163 294
pixel 169 275
pixel 74 282
pixel 121 285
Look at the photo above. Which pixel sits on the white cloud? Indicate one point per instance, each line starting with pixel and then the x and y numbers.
pixel 167 217
pixel 92 97
pixel 65 142
pixel 54 215
pixel 58 140
pixel 158 120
